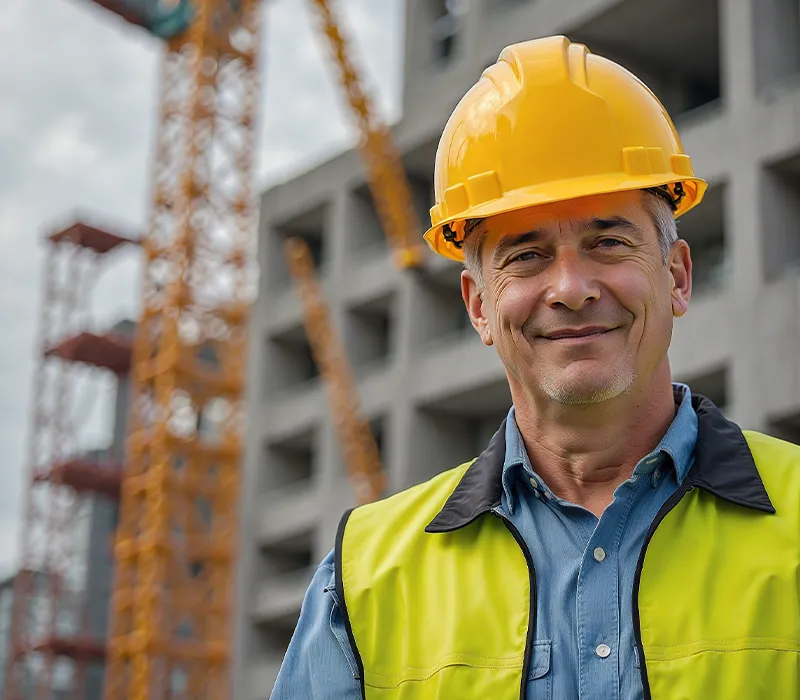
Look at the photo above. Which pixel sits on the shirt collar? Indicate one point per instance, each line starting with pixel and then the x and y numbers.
pixel 681 437
pixel 723 465
pixel 516 457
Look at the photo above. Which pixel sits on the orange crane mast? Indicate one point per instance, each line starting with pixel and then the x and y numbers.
pixel 359 449
pixel 394 204
pixel 172 605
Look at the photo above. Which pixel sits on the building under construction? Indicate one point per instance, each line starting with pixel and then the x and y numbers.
pixel 54 613
pixel 729 74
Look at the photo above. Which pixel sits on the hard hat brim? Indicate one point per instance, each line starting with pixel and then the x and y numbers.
pixel 564 190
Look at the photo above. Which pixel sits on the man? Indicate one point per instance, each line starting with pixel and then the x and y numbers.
pixel 618 537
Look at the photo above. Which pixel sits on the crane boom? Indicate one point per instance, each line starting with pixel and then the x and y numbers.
pixel 385 172
pixel 360 452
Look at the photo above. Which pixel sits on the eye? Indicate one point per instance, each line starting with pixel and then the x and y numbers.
pixel 610 243
pixel 525 256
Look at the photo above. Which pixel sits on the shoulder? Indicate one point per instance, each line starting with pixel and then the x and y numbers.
pixel 778 465
pixel 392 530
pixel 772 452
pixel 416 505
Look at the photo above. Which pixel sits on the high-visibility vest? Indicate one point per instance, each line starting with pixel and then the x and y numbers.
pixel 438 590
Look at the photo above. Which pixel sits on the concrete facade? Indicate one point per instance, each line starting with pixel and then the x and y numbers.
pixel 727 70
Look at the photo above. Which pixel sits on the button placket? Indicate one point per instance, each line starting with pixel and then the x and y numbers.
pixel 598 609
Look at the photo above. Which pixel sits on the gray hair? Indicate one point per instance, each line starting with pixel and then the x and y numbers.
pixel 659 210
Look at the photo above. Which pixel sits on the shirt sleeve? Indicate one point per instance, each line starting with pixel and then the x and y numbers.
pixel 319 663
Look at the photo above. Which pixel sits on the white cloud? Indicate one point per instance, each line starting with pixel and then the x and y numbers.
pixel 65 147
pixel 76 131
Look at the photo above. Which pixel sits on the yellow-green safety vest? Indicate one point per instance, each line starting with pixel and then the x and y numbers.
pixel 438 590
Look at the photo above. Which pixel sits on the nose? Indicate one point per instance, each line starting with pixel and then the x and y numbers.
pixel 572 282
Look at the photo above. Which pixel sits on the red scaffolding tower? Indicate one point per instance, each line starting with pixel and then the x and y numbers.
pixel 50 635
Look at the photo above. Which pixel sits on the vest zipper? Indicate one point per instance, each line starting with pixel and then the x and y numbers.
pixel 670 503
pixel 526 662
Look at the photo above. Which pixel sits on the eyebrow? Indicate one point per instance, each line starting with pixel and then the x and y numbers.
pixel 598 223
pixel 606 223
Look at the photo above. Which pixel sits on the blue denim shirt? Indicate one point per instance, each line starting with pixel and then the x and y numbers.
pixel 584 570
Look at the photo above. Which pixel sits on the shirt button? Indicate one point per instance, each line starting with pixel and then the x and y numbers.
pixel 534 483
pixel 603 651
pixel 599 554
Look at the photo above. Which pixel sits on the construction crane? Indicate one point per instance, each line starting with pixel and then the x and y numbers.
pixel 387 177
pixel 359 449
pixel 175 551
pixel 395 208
pixel 172 614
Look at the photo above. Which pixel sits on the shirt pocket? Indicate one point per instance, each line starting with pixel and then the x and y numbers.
pixel 540 678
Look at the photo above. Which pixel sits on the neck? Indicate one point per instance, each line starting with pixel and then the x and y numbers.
pixel 584 452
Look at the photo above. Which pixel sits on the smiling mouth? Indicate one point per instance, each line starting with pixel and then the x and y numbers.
pixel 578 336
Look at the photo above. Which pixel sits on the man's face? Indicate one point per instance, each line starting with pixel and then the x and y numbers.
pixel 577 298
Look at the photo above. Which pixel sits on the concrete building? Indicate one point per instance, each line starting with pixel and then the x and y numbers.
pixel 729 73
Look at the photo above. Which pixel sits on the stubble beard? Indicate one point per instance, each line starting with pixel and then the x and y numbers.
pixel 570 394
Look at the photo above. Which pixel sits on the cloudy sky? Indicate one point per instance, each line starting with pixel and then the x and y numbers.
pixel 77 123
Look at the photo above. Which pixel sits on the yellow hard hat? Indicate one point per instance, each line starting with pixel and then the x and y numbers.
pixel 551 121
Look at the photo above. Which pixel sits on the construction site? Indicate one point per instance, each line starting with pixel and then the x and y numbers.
pixel 300 350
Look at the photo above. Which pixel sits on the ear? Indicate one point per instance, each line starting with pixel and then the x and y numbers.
pixel 473 300
pixel 680 267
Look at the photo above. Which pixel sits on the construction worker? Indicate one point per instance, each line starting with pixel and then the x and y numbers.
pixel 618 537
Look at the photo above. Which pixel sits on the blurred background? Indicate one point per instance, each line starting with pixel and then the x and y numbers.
pixel 406 389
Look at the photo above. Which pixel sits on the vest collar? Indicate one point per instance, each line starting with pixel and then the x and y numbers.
pixel 723 466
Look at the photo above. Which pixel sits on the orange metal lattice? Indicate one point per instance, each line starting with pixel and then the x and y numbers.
pixel 50 620
pixel 359 449
pixel 176 544
pixel 387 178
